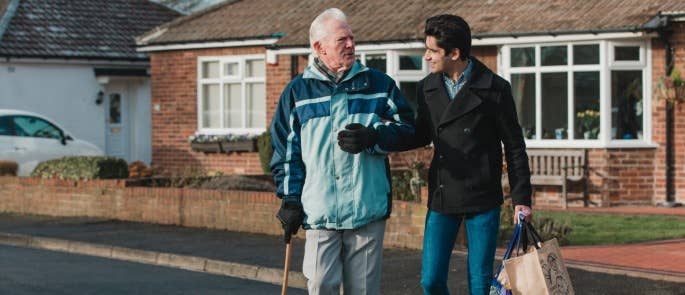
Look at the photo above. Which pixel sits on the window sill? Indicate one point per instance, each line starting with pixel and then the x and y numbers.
pixel 594 144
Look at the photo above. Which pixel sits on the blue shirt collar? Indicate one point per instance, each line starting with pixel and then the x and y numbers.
pixel 452 86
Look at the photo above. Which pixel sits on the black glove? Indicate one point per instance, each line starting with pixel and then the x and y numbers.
pixel 290 215
pixel 356 137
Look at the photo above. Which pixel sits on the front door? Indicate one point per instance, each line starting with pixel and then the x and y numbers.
pixel 116 114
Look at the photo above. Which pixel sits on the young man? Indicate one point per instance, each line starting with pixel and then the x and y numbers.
pixel 330 133
pixel 468 113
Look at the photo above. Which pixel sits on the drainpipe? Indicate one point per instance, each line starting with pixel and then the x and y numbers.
pixel 660 24
pixel 294 65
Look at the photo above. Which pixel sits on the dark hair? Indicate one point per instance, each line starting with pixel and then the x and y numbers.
pixel 451 32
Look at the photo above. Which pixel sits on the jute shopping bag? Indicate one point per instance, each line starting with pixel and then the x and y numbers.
pixel 540 271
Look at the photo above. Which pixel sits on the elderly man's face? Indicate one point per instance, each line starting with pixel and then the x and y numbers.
pixel 336 50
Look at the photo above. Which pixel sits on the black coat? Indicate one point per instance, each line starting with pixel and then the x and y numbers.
pixel 468 133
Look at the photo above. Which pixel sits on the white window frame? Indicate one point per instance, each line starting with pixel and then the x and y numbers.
pixel 605 66
pixel 223 80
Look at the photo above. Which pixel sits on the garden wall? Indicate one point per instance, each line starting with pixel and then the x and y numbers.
pixel 244 211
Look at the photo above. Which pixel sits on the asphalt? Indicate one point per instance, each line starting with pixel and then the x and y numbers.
pixel 261 257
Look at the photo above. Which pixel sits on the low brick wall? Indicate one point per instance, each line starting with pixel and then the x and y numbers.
pixel 244 211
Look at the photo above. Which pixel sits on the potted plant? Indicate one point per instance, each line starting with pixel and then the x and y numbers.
pixel 671 88
pixel 589 123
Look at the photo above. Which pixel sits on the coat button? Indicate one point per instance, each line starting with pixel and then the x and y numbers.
pixel 442 186
pixel 467 131
pixel 441 157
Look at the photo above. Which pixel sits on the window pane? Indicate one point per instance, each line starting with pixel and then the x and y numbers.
pixel 409 92
pixel 233 106
pixel 34 127
pixel 523 89
pixel 627 53
pixel 376 61
pixel 256 105
pixel 255 68
pixel 523 57
pixel 231 69
pixel 586 104
pixel 554 106
pixel 626 105
pixel 411 62
pixel 210 69
pixel 210 106
pixel 115 108
pixel 586 54
pixel 5 126
pixel 554 55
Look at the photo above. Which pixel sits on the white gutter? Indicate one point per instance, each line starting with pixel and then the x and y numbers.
pixel 74 61
pixel 558 38
pixel 241 43
pixel 271 54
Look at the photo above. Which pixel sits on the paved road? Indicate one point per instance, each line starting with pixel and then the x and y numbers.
pixel 401 268
pixel 31 271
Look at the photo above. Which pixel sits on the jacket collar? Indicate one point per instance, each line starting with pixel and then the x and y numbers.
pixel 466 99
pixel 311 72
pixel 353 81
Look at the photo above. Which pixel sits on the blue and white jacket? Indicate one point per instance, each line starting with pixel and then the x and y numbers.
pixel 338 190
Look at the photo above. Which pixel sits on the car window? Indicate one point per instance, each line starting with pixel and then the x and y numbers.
pixel 6 126
pixel 35 127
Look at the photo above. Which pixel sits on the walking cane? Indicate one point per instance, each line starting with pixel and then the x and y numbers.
pixel 288 246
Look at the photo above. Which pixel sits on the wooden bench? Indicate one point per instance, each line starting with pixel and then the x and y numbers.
pixel 558 168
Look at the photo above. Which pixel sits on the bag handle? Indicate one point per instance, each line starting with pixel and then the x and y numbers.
pixel 534 234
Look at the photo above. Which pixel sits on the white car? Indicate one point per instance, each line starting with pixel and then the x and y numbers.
pixel 28 139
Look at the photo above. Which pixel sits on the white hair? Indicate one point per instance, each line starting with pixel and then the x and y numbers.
pixel 317 31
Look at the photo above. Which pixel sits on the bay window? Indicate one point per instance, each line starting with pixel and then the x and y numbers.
pixel 580 94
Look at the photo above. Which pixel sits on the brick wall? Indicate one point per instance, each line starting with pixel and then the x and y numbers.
pixel 659 119
pixel 174 89
pixel 243 211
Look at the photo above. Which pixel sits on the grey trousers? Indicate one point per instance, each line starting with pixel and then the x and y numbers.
pixel 353 257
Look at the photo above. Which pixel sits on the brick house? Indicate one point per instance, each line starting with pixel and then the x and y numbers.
pixel 583 75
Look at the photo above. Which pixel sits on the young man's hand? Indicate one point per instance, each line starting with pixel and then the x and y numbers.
pixel 526 210
pixel 290 215
pixel 356 137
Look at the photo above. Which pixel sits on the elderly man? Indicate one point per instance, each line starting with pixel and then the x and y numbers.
pixel 331 132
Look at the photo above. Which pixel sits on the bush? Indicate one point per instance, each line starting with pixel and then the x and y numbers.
pixel 138 169
pixel 265 151
pixel 82 168
pixel 8 168
pixel 401 186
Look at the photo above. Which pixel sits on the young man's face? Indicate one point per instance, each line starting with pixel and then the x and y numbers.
pixel 336 50
pixel 436 58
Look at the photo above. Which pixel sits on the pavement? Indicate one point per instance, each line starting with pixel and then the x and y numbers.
pixel 648 268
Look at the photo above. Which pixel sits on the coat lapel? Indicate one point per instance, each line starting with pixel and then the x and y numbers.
pixel 466 99
pixel 436 97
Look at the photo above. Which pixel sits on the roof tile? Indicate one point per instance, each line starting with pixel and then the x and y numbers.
pixel 387 20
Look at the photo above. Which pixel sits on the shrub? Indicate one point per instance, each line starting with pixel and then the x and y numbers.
pixel 8 168
pixel 82 168
pixel 401 186
pixel 138 169
pixel 265 151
